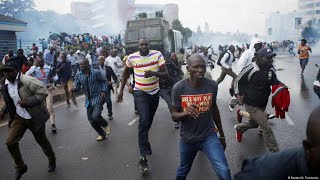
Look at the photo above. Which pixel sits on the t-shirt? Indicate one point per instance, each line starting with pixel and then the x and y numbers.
pixel 183 94
pixel 65 73
pixel 304 52
pixel 141 64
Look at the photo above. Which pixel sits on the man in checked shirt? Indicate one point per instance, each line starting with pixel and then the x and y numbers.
pixel 95 86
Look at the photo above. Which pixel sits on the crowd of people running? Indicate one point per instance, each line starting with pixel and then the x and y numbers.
pixel 191 97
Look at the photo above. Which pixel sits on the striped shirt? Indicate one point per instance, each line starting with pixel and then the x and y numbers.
pixel 141 64
pixel 93 85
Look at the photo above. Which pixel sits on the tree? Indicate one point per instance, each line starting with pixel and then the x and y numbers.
pixel 16 8
pixel 186 32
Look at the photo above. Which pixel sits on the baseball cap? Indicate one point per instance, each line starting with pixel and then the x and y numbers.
pixel 266 52
pixel 10 65
pixel 78 51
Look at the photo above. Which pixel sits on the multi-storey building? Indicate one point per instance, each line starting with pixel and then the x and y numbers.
pixel 310 10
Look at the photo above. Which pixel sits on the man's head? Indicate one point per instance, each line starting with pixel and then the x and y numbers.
pixel 231 48
pixel 143 46
pixel 51 50
pixel 10 53
pixel 84 65
pixel 173 57
pixel 71 52
pixel 205 51
pixel 40 62
pixel 264 58
pixel 114 52
pixel 34 44
pixel 20 53
pixel 303 42
pixel 181 51
pixel 10 70
pixel 258 46
pixel 101 60
pixel 196 67
pixel 312 144
pixel 63 56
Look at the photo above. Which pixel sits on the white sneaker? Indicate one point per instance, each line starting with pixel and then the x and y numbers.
pixel 230 108
pixel 108 130
pixel 100 138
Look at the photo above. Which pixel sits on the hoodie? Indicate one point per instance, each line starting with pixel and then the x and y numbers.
pixel 246 57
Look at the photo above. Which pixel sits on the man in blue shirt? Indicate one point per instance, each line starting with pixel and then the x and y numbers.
pixel 95 86
pixel 49 58
pixel 43 73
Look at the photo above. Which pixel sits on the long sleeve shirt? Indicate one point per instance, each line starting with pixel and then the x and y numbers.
pixel 42 74
pixel 93 85
pixel 227 61
pixel 115 63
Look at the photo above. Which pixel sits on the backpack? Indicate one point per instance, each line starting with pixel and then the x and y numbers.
pixel 221 56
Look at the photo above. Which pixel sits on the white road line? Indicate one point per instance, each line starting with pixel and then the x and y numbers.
pixel 3 124
pixel 289 120
pixel 63 103
pixel 133 121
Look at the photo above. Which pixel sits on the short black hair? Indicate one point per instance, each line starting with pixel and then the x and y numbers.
pixel 304 40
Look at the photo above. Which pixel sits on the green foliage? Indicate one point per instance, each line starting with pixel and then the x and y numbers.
pixel 16 8
pixel 186 32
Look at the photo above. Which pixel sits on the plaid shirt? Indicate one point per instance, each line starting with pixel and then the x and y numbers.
pixel 93 85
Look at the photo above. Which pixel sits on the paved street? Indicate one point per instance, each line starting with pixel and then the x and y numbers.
pixel 80 156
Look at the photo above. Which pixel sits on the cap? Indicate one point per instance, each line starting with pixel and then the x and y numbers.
pixel 266 52
pixel 78 51
pixel 10 65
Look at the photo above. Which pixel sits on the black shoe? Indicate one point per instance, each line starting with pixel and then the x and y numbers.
pixel 53 129
pixel 110 118
pixel 20 172
pixel 52 167
pixel 136 111
pixel 231 91
pixel 143 164
pixel 271 116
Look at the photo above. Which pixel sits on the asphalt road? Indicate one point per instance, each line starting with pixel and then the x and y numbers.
pixel 80 156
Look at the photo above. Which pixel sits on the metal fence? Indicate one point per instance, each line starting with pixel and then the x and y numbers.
pixel 6 45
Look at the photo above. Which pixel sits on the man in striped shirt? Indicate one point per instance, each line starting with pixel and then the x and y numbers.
pixel 148 66
pixel 95 86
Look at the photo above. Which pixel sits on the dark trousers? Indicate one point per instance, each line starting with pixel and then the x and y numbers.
pixel 317 90
pixel 109 102
pixel 96 120
pixel 166 95
pixel 147 106
pixel 16 131
pixel 224 73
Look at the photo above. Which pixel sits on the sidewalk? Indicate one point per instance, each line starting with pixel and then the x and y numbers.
pixel 58 95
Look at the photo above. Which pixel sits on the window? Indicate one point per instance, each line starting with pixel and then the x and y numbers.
pixel 150 32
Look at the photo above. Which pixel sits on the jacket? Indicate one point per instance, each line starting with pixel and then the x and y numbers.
pixel 110 73
pixel 280 100
pixel 34 93
pixel 246 57
pixel 254 84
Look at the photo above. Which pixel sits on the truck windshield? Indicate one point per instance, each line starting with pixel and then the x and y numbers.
pixel 150 32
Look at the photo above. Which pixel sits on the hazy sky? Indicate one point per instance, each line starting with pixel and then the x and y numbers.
pixel 222 15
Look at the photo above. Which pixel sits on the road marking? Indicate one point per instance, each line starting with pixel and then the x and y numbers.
pixel 65 102
pixel 289 120
pixel 3 124
pixel 133 121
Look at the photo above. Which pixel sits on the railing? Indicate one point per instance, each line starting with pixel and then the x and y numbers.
pixel 6 45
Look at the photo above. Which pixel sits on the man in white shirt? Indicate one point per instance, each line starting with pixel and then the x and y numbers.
pixel 74 62
pixel 226 65
pixel 24 100
pixel 115 63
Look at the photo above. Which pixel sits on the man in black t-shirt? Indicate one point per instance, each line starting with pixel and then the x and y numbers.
pixel 20 59
pixel 194 105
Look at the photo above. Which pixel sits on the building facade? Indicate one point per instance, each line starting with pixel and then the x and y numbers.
pixel 310 10
pixel 281 27
pixel 110 16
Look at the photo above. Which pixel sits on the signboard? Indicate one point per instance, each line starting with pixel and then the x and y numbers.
pixel 298 23
pixel 269 31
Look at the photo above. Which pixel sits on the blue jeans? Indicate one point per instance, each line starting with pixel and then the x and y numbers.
pixel 96 120
pixel 212 148
pixel 147 106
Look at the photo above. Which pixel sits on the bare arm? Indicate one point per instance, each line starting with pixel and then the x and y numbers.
pixel 217 119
